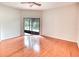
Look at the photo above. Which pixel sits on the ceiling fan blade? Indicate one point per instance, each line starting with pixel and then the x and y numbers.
pixel 23 2
pixel 37 3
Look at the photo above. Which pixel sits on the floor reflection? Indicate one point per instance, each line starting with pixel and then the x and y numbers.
pixel 32 42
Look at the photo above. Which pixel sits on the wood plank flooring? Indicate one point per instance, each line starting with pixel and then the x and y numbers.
pixel 50 47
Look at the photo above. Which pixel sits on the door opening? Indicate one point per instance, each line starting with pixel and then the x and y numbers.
pixel 32 26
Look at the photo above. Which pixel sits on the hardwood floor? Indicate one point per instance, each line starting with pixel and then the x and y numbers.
pixel 49 47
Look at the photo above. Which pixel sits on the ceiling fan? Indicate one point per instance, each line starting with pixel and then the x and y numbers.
pixel 31 3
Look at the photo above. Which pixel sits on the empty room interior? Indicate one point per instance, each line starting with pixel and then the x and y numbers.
pixel 39 29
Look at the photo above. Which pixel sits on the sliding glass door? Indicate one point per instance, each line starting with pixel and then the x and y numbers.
pixel 32 25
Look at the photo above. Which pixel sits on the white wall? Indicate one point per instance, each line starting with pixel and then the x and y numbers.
pixel 0 29
pixel 78 24
pixel 32 14
pixel 9 22
pixel 60 23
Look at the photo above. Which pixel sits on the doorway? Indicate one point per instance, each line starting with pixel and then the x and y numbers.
pixel 32 26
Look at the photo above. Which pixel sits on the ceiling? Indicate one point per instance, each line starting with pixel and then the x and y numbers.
pixel 44 6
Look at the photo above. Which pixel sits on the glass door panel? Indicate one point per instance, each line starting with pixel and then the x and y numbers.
pixel 32 25
pixel 27 24
pixel 35 25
